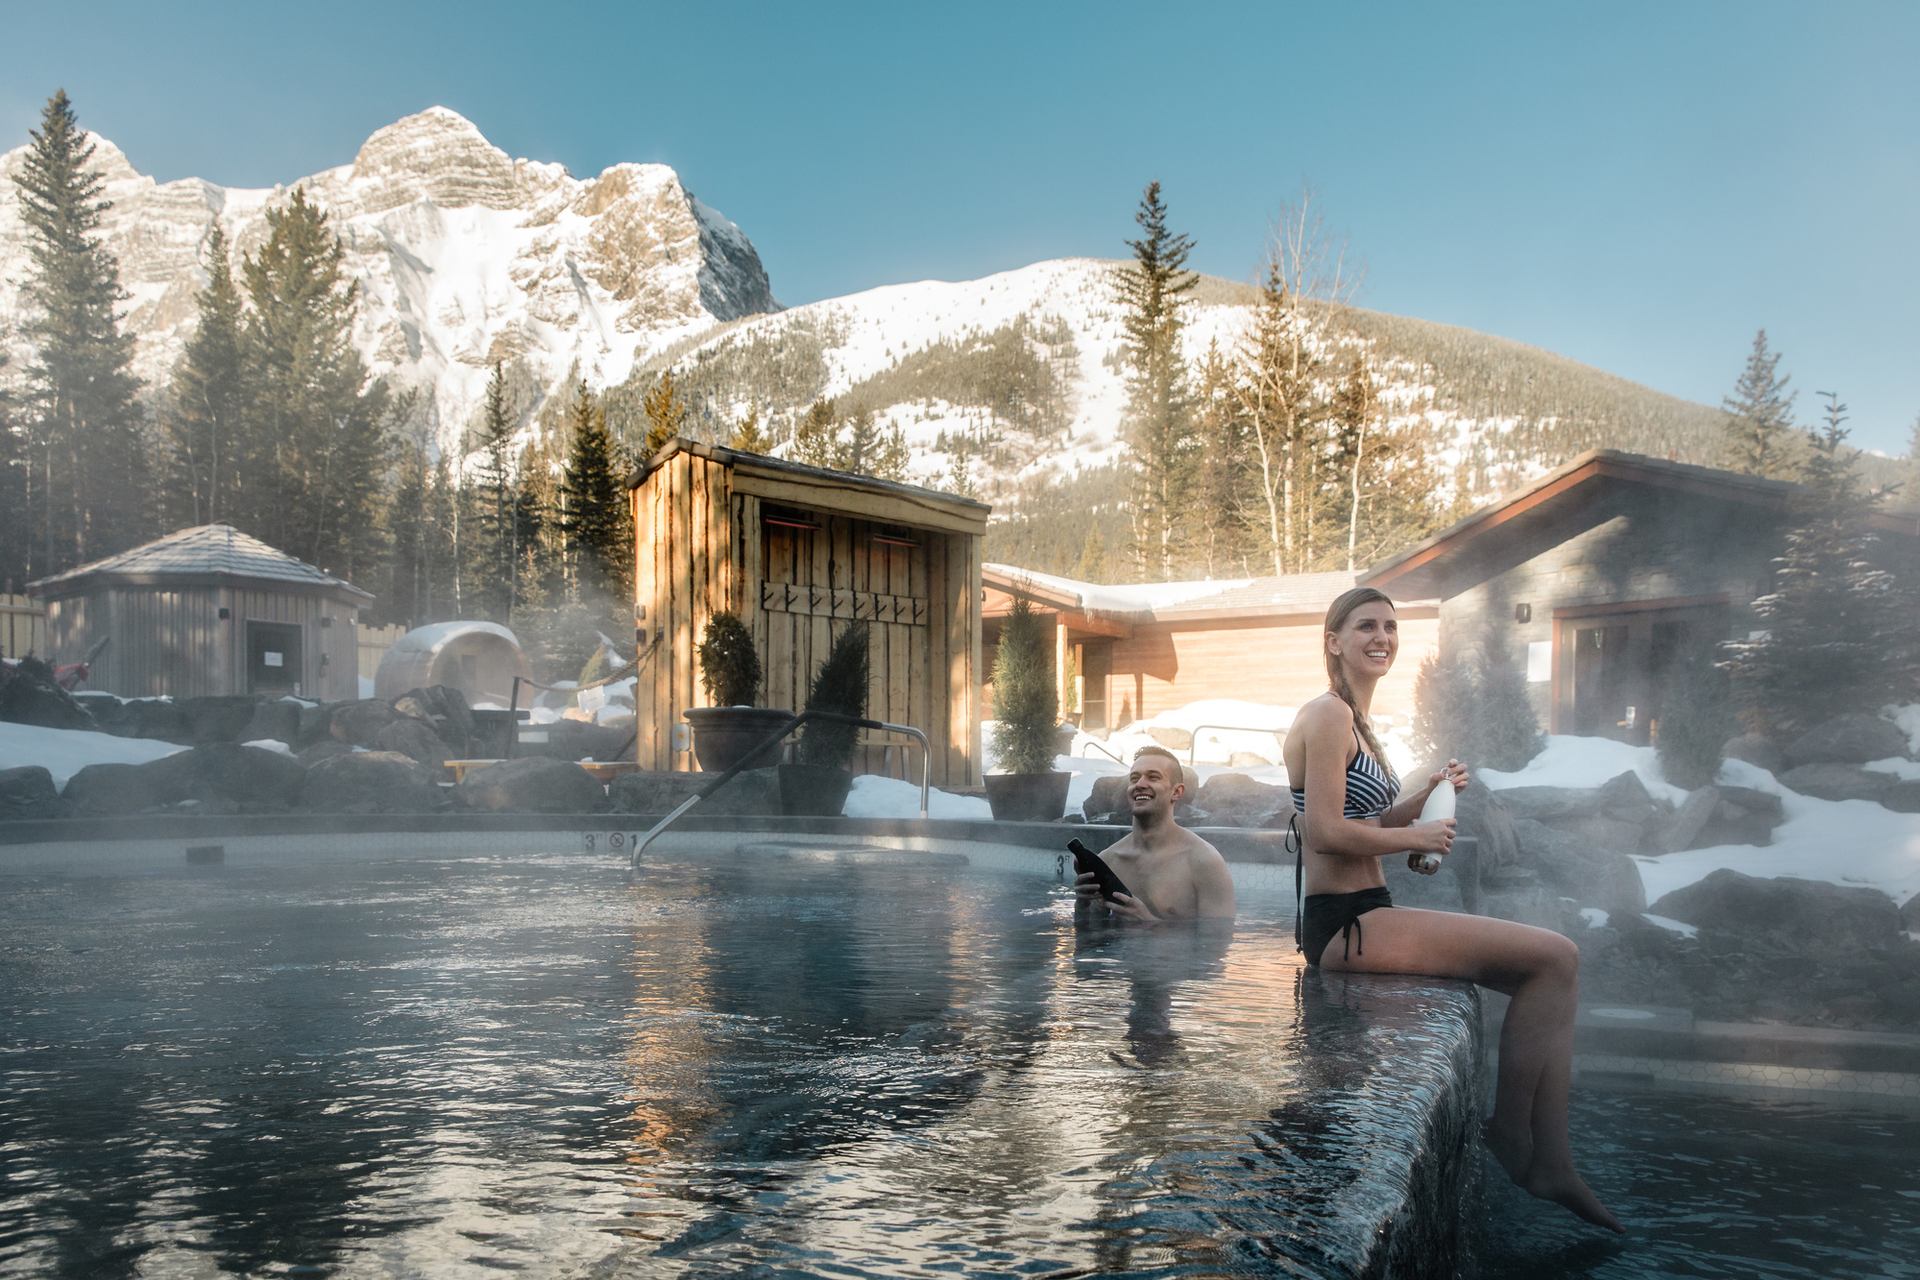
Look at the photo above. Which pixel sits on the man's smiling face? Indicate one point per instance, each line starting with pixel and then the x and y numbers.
pixel 1154 783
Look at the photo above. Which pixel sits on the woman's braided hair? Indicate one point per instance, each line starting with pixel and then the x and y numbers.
pixel 1337 614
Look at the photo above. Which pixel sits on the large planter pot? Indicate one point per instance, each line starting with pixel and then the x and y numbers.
pixel 724 736
pixel 813 790
pixel 1028 797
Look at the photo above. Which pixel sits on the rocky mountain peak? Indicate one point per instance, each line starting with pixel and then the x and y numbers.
pixel 463 256
pixel 436 155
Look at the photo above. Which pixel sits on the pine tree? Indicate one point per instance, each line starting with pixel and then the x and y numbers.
pixel 1092 565
pixel 13 492
pixel 202 424
pixel 665 413
pixel 595 517
pixel 859 453
pixel 748 436
pixel 497 546
pixel 408 595
pixel 1837 628
pixel 1025 702
pixel 319 428
pixel 1759 421
pixel 85 431
pixel 816 439
pixel 1356 407
pixel 890 461
pixel 1219 523
pixel 1159 429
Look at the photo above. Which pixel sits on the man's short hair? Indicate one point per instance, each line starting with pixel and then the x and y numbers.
pixel 1158 750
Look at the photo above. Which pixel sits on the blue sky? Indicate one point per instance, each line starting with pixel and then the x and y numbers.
pixel 1637 186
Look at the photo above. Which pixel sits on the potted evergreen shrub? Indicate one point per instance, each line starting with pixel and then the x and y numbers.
pixel 726 732
pixel 1025 719
pixel 818 782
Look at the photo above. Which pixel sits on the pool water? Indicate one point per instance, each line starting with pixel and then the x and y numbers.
pixel 768 1065
pixel 1723 1186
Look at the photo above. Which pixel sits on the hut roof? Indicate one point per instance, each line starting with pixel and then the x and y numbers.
pixel 203 553
pixel 968 509
pixel 1269 596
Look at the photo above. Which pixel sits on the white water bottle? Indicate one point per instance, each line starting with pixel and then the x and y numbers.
pixel 1438 808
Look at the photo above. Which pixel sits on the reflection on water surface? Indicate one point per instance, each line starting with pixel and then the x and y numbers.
pixel 428 1066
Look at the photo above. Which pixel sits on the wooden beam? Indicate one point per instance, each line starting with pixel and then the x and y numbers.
pixel 884 508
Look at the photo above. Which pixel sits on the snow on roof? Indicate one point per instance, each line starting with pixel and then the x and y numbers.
pixel 218 550
pixel 1275 593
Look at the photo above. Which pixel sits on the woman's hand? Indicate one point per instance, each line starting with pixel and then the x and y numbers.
pixel 1455 773
pixel 1431 837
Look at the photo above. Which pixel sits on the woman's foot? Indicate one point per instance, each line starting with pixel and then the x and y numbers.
pixel 1513 1150
pixel 1569 1189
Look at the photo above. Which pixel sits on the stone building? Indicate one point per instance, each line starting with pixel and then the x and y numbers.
pixel 1602 576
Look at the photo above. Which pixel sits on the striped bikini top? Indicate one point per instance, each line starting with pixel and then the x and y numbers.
pixel 1371 786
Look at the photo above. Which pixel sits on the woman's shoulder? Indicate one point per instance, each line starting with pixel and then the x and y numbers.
pixel 1329 710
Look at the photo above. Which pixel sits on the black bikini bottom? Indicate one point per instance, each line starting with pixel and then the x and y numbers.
pixel 1324 914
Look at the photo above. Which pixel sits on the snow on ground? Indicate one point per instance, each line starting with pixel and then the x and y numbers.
pixel 1585 762
pixel 270 744
pixel 366 686
pixel 1845 842
pixel 1898 766
pixel 876 797
pixel 1680 927
pixel 1908 718
pixel 65 752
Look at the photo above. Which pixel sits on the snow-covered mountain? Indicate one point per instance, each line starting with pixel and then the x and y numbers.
pixel 464 256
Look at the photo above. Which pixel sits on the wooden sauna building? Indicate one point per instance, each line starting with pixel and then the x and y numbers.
pixel 800 553
pixel 206 610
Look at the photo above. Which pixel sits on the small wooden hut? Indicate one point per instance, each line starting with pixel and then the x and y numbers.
pixel 799 553
pixel 203 611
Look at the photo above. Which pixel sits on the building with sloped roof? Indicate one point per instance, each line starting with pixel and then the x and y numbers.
pixel 204 611
pixel 1607 578
pixel 1127 652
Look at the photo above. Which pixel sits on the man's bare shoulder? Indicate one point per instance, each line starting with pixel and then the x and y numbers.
pixel 1200 849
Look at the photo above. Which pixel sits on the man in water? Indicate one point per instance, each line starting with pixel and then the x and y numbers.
pixel 1170 873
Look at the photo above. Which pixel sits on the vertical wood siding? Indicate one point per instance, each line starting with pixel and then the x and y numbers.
pixel 701 547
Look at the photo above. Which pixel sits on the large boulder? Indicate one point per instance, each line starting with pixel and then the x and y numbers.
pixel 414 739
pixel 370 782
pixel 445 709
pixel 1756 749
pixel 1854 738
pixel 30 695
pixel 222 775
pixel 1810 915
pixel 316 724
pixel 572 740
pixel 1573 867
pixel 1910 914
pixel 1623 798
pixel 1551 804
pixel 1170 737
pixel 216 719
pixel 1235 800
pixel 1484 814
pixel 358 723
pixel 275 719
pixel 1717 815
pixel 28 792
pixel 1837 782
pixel 751 792
pixel 1902 797
pixel 1108 797
pixel 325 749
pixel 533 784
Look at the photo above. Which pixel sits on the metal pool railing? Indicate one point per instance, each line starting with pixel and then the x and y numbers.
pixel 926 765
pixel 1193 744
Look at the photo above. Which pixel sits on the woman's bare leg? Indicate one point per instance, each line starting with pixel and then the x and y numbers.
pixel 1539 970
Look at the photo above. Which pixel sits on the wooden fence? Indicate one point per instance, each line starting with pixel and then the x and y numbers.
pixel 23 628
pixel 374 643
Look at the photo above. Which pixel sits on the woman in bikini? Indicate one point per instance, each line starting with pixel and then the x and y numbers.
pixel 1351 813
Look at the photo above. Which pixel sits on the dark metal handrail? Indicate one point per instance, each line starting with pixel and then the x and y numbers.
pixel 1193 743
pixel 1103 751
pixel 834 717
